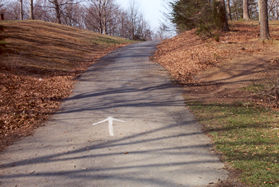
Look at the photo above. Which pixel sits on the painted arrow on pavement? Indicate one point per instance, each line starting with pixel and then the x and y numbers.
pixel 110 124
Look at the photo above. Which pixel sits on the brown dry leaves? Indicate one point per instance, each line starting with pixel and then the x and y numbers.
pixel 187 54
pixel 26 101
pixel 216 70
pixel 41 73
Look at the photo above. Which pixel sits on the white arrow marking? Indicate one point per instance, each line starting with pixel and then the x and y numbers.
pixel 110 124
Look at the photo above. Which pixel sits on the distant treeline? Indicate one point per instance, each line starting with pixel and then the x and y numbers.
pixel 103 16
pixel 210 15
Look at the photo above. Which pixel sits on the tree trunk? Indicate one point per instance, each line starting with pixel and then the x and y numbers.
pixel 277 92
pixel 101 27
pixel 57 10
pixel 228 8
pixel 21 9
pixel 31 16
pixel 222 22
pixel 226 25
pixel 245 10
pixel 263 19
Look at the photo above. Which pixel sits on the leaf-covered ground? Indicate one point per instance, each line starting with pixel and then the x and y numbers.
pixel 214 69
pixel 38 68
pixel 187 54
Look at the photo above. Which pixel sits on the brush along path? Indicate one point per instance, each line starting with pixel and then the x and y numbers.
pixel 159 144
pixel 38 67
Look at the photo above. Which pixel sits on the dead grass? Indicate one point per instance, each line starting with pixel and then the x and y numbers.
pixel 38 69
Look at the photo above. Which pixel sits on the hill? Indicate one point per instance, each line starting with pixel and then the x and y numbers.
pixel 39 64
pixel 231 85
pixel 237 59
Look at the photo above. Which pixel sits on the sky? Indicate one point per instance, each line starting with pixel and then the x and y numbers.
pixel 152 10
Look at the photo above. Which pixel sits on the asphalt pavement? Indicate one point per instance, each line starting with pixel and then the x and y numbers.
pixel 156 141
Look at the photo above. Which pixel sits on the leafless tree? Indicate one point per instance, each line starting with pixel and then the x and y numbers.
pixel 124 24
pixel 57 7
pixel 132 15
pixel 161 33
pixel 245 10
pixel 263 19
pixel 21 9
pixel 223 20
pixel 101 16
pixel 60 6
pixel 273 9
pixel 143 32
pixel 31 13
pixel 42 11
pixel 11 10
pixel 73 14
pixel 228 9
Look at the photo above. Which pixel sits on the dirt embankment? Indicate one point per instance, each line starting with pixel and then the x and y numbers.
pixel 213 71
pixel 38 68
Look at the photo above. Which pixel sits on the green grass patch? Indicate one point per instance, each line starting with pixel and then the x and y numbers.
pixel 109 40
pixel 2 46
pixel 255 87
pixel 247 136
pixel 2 42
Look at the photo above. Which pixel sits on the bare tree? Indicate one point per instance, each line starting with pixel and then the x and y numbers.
pixel 21 9
pixel 124 25
pixel 161 33
pixel 223 20
pixel 132 14
pixel 57 10
pixel 42 11
pixel 236 9
pixel 263 19
pixel 73 14
pixel 96 16
pixel 12 10
pixel 57 5
pixel 273 9
pixel 228 9
pixel 245 10
pixel 101 16
pixel 31 16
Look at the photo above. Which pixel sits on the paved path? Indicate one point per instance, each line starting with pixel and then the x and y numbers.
pixel 159 144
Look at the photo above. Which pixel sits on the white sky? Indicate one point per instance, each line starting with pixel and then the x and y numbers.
pixel 152 10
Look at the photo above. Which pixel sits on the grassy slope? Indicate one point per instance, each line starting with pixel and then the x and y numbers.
pixel 38 69
pixel 246 136
pixel 223 81
pixel 48 46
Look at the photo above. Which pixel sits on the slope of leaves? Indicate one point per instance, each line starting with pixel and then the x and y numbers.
pixel 187 54
pixel 38 69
